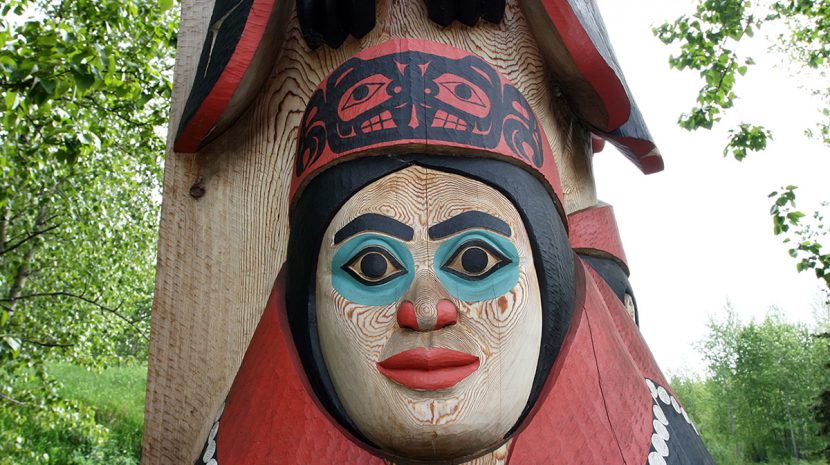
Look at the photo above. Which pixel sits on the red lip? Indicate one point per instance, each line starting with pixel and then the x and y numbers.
pixel 429 369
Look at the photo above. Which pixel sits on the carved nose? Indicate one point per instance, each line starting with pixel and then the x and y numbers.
pixel 446 314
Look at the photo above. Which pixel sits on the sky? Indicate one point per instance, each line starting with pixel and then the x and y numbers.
pixel 699 233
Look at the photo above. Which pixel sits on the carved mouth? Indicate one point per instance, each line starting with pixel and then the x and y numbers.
pixel 447 121
pixel 378 122
pixel 429 368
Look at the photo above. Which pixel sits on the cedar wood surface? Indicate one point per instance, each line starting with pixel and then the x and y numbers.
pixel 219 255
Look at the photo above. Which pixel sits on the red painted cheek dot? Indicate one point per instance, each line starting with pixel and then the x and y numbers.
pixel 406 316
pixel 447 314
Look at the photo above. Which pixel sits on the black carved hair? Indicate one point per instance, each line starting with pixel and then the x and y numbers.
pixel 325 195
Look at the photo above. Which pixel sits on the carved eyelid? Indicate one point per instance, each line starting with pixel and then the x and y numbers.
pixel 490 267
pixel 399 269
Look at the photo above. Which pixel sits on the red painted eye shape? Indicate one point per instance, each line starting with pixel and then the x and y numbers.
pixel 475 260
pixel 462 94
pixel 363 96
pixel 374 266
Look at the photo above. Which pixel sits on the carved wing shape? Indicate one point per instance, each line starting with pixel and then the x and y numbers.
pixel 242 41
pixel 574 42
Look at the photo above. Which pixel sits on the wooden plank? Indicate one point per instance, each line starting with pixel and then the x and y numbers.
pixel 219 253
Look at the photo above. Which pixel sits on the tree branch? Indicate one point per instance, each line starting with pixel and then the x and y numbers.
pixel 31 236
pixel 104 308
pixel 4 224
pixel 13 401
pixel 47 344
pixel 23 270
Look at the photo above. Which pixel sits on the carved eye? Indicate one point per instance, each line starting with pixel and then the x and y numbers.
pixel 462 94
pixel 366 94
pixel 475 260
pixel 374 266
pixel 463 91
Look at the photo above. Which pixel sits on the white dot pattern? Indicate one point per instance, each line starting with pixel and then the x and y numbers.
pixel 208 456
pixel 660 439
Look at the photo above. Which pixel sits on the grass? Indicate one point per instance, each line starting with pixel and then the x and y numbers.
pixel 117 396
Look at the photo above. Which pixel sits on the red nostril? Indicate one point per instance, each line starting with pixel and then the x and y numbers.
pixel 406 315
pixel 447 314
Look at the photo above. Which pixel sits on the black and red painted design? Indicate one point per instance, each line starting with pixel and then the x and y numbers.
pixel 242 40
pixel 410 95
pixel 575 42
pixel 244 37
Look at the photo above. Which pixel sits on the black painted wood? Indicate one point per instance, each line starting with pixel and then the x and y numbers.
pixel 613 274
pixel 330 22
pixel 224 33
pixel 444 12
pixel 561 277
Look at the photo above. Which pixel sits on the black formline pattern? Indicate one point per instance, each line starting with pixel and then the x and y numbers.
pixel 674 440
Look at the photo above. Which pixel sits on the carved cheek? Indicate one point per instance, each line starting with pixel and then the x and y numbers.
pixel 367 328
pixel 497 321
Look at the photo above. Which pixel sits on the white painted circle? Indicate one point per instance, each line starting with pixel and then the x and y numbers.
pixel 655 458
pixel 213 462
pixel 675 405
pixel 660 430
pixel 214 430
pixel 660 445
pixel 210 451
pixel 659 415
pixel 686 416
pixel 663 394
pixel 652 388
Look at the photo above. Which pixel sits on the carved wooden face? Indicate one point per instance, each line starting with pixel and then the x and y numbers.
pixel 429 313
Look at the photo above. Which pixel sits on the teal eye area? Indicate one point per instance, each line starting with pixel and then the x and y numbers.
pixel 372 269
pixel 477 266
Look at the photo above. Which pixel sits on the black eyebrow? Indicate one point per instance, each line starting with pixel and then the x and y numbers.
pixel 374 222
pixel 469 220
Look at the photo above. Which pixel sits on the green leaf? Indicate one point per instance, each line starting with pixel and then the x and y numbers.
pixel 12 343
pixel 11 99
pixel 83 81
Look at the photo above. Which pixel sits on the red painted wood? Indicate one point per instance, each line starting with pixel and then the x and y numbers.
pixel 583 41
pixel 213 107
pixel 597 143
pixel 595 229
pixel 548 171
pixel 269 417
pixel 596 407
pixel 590 62
pixel 447 314
pixel 648 157
pixel 630 333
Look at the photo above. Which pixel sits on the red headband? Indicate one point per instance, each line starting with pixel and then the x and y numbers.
pixel 413 96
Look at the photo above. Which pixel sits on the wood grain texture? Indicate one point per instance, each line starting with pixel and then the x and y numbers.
pixel 504 332
pixel 218 255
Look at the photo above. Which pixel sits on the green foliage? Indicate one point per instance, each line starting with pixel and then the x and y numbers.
pixel 764 380
pixel 708 41
pixel 84 91
pixel 803 234
pixel 107 428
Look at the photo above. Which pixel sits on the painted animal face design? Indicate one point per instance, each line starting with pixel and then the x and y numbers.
pixel 429 314
pixel 415 93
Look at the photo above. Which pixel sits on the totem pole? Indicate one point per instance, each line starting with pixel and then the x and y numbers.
pixel 405 188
